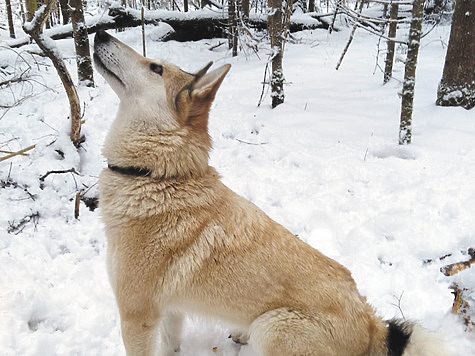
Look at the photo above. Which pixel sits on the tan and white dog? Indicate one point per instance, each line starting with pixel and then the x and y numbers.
pixel 180 241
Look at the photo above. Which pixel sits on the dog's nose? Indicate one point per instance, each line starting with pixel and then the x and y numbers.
pixel 102 36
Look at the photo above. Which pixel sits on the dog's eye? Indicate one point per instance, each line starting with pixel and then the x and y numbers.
pixel 157 68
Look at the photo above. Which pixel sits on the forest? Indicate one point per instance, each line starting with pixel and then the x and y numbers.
pixel 350 122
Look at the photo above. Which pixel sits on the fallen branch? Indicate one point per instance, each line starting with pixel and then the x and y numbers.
pixel 455 268
pixel 71 170
pixel 17 153
pixel 189 26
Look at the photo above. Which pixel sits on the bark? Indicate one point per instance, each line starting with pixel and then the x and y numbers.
pixel 405 125
pixel 245 9
pixel 311 5
pixel 185 5
pixel 31 6
pixel 232 27
pixel 33 29
pixel 274 21
pixel 457 87
pixel 64 11
pixel 81 43
pixel 10 19
pixel 388 69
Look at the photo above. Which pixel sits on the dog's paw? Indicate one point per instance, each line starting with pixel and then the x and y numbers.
pixel 239 337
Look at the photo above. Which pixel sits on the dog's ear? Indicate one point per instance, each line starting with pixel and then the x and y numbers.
pixel 203 71
pixel 206 86
pixel 202 93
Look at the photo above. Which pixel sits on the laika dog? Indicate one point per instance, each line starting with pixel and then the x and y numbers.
pixel 179 241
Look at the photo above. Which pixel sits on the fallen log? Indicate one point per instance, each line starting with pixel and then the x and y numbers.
pixel 189 26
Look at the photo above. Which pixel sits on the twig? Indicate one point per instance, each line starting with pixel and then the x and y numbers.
pixel 263 84
pixel 76 203
pixel 71 170
pixel 398 305
pixel 21 152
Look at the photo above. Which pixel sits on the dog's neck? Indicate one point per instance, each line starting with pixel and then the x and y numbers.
pixel 131 171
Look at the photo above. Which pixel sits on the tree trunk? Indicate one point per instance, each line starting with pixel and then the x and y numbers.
pixel 311 5
pixel 31 6
pixel 388 69
pixel 457 87
pixel 185 5
pixel 245 9
pixel 232 27
pixel 45 43
pixel 81 43
pixel 405 126
pixel 10 19
pixel 64 11
pixel 274 21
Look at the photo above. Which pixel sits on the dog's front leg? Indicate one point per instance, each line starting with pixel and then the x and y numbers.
pixel 139 331
pixel 170 333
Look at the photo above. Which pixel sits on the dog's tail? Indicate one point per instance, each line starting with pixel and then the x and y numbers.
pixel 409 339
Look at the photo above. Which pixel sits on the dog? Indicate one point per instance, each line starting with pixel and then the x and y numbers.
pixel 180 241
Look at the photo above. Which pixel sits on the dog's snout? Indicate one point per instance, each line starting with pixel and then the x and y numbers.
pixel 102 36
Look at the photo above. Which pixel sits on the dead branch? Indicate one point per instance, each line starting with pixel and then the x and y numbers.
pixel 71 170
pixel 455 268
pixel 17 153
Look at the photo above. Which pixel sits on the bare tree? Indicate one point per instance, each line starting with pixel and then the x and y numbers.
pixel 81 43
pixel 311 5
pixel 232 26
pixel 388 68
pixel 405 125
pixel 31 6
pixel 274 20
pixel 457 87
pixel 34 29
pixel 10 18
pixel 245 9
pixel 63 4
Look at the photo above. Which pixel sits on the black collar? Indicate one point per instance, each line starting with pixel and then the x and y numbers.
pixel 131 171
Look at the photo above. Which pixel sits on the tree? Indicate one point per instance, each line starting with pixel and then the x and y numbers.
pixel 457 86
pixel 388 68
pixel 31 6
pixel 81 43
pixel 64 11
pixel 274 20
pixel 34 30
pixel 10 18
pixel 232 27
pixel 405 126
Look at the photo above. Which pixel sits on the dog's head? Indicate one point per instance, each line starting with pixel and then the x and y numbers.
pixel 163 96
pixel 162 123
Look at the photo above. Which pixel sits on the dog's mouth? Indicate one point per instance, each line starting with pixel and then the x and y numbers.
pixel 107 71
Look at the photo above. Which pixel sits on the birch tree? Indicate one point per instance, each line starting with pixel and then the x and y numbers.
pixel 407 102
pixel 457 87
pixel 274 20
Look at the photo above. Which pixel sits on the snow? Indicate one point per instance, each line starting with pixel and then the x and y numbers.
pixel 325 164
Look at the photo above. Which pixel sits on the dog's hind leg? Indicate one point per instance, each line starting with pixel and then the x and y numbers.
pixel 170 333
pixel 289 332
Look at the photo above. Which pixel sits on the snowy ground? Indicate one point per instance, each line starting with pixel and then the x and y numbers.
pixel 325 164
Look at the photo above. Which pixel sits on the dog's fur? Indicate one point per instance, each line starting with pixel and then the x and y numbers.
pixel 181 241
